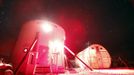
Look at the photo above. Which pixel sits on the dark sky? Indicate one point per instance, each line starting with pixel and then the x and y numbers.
pixel 106 22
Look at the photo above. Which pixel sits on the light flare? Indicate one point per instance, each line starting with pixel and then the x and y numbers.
pixel 56 46
pixel 46 27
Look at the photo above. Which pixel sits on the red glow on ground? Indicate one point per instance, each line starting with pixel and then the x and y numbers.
pixel 116 71
pixel 105 72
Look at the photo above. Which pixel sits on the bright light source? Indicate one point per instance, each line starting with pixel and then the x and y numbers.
pixel 56 46
pixel 47 27
pixel 25 50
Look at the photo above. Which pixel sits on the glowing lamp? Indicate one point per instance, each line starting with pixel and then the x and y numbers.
pixel 56 46
pixel 46 27
pixel 25 50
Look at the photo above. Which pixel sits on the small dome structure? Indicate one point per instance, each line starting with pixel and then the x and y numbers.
pixel 95 56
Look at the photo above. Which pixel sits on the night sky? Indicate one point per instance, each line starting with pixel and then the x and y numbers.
pixel 106 22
